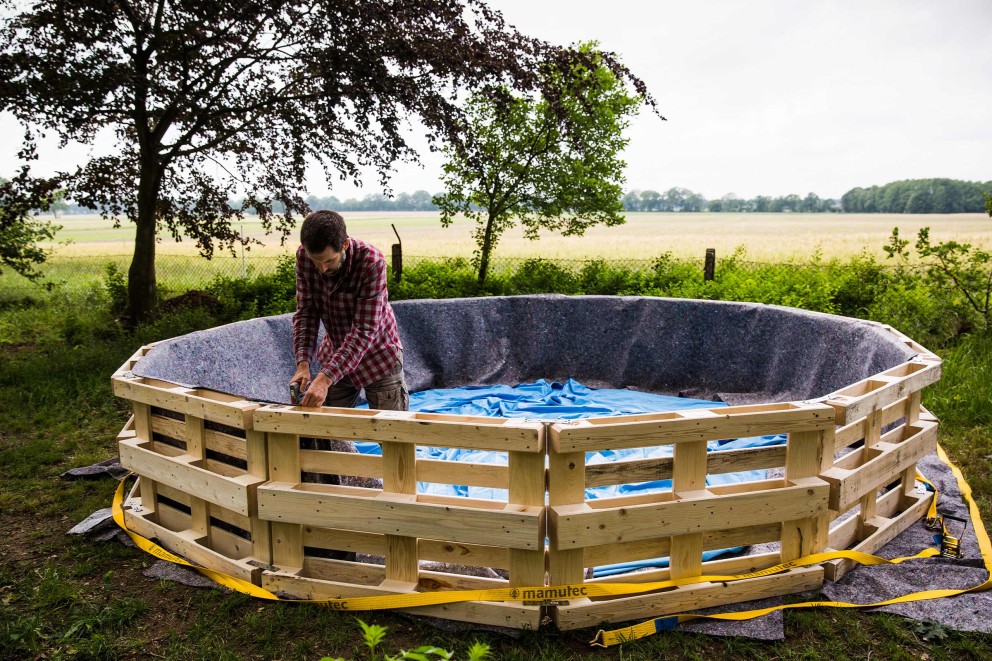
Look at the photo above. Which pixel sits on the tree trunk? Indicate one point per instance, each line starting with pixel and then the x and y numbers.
pixel 141 287
pixel 487 248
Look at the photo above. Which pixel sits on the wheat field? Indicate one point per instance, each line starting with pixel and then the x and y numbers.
pixel 763 237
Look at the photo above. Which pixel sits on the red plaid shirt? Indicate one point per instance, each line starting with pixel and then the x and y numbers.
pixel 362 340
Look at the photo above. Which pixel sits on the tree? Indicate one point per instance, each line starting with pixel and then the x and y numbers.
pixel 650 200
pixel 20 231
pixel 549 160
pixel 217 101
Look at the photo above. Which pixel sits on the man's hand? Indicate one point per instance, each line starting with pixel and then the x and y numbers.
pixel 302 375
pixel 317 392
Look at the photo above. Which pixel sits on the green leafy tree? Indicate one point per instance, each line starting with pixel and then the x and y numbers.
pixel 550 161
pixel 20 229
pixel 218 101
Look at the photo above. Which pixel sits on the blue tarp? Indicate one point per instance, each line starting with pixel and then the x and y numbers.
pixel 550 401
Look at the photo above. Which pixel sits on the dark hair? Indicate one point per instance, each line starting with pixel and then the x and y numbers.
pixel 321 229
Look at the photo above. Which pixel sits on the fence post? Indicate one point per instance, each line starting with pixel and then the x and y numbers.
pixel 397 256
pixel 709 268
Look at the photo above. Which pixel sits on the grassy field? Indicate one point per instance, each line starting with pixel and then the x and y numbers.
pixel 765 237
pixel 65 597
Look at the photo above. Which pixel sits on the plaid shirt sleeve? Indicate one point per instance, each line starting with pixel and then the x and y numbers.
pixel 306 319
pixel 371 302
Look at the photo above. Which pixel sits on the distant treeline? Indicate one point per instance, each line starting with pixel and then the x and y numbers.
pixel 683 199
pixel 919 196
pixel 910 196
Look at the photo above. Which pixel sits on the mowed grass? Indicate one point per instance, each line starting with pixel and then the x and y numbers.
pixel 765 237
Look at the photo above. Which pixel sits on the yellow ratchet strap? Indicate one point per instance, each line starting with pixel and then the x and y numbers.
pixel 649 627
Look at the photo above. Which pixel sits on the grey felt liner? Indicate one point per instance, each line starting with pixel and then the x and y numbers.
pixel 738 352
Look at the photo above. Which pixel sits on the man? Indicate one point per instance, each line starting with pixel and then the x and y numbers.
pixel 341 283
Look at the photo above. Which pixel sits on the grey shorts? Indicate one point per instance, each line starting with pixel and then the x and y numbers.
pixel 388 393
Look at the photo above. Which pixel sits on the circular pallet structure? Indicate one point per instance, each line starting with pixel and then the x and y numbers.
pixel 224 475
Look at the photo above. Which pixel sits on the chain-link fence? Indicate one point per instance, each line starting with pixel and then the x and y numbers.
pixel 173 272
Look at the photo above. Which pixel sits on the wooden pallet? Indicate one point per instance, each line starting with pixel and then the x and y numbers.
pixel 223 484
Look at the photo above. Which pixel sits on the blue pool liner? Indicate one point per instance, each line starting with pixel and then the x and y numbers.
pixel 550 401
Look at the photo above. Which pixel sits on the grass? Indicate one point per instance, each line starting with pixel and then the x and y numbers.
pixel 63 597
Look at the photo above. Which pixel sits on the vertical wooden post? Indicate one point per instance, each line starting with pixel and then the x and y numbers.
pixel 284 466
pixel 566 486
pixel 873 433
pixel 397 262
pixel 143 431
pixel 527 488
pixel 397 256
pixel 688 474
pixel 258 466
pixel 196 446
pixel 709 266
pixel 399 475
pixel 807 454
pixel 912 417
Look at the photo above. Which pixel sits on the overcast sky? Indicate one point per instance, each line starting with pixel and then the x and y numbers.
pixel 775 96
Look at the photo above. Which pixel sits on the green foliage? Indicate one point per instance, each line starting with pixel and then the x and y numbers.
pixel 20 230
pixel 373 635
pixel 551 162
pixel 959 272
pixel 115 281
pixel 263 295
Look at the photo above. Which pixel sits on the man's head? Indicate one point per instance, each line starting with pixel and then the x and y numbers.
pixel 325 239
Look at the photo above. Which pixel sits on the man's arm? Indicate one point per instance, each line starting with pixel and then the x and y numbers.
pixel 306 321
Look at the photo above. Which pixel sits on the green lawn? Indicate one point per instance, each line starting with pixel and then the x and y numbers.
pixel 67 597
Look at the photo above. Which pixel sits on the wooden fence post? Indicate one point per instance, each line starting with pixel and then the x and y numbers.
pixel 397 256
pixel 709 268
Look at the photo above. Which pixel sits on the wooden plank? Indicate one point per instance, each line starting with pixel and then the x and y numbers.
pixel 345 540
pixel 257 457
pixel 847 486
pixel 513 526
pixel 690 426
pixel 687 598
pixel 854 431
pixel 689 477
pixel 341 463
pixel 199 403
pixel 469 474
pixel 233 493
pixel 873 435
pixel 508 614
pixel 566 487
pixel 876 392
pixel 219 513
pixel 474 555
pixel 579 526
pixel 608 554
pixel 399 476
pixel 413 428
pixel 527 489
pixel 722 567
pixel 884 531
pixel 285 537
pixel 186 544
pixel 807 454
pixel 142 421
